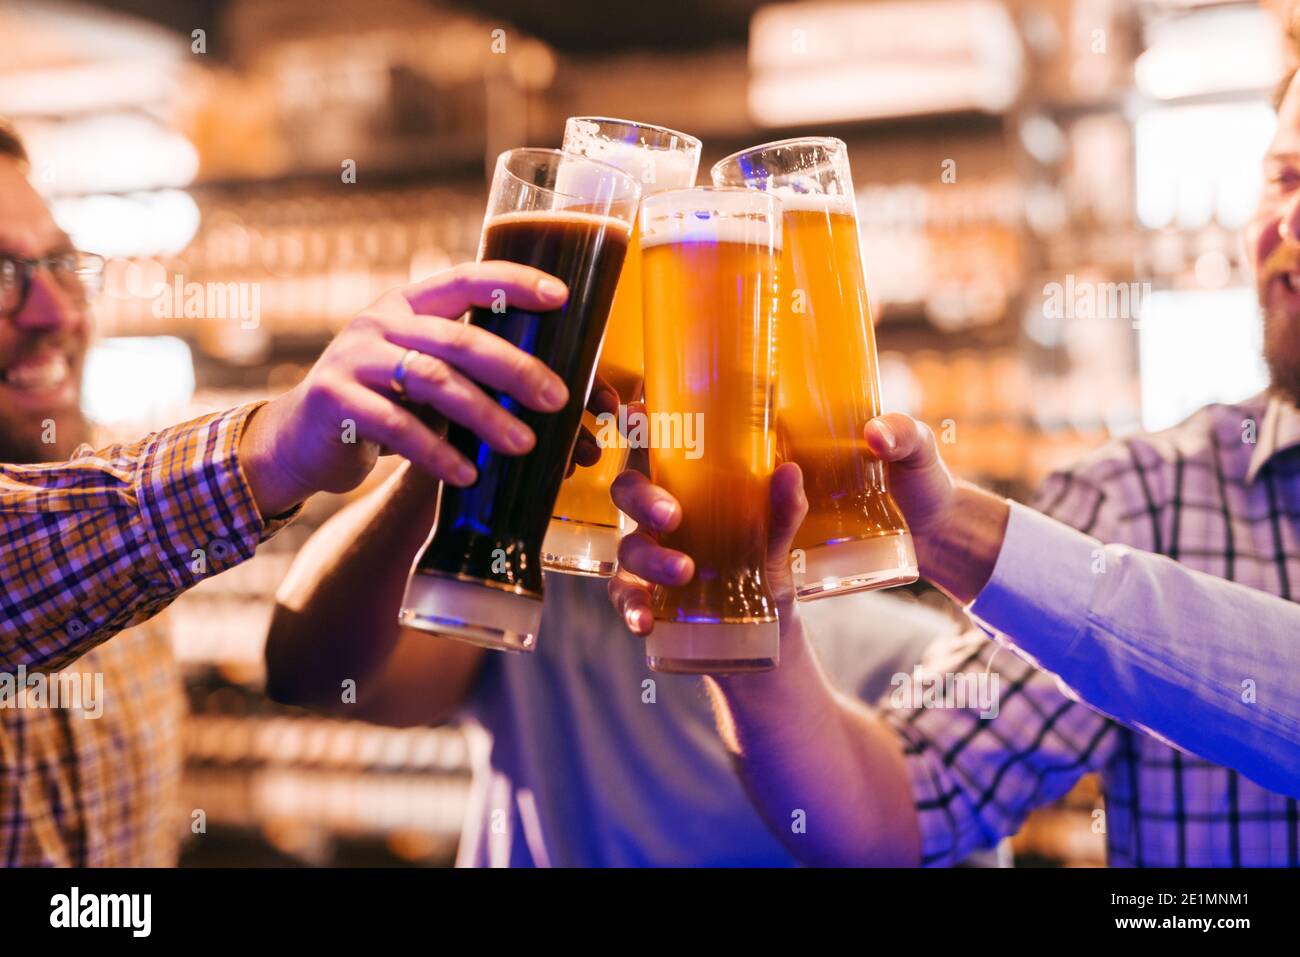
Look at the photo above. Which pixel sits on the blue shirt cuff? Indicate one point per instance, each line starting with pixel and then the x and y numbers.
pixel 1042 586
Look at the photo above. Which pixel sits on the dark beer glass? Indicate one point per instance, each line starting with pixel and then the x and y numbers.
pixel 479 578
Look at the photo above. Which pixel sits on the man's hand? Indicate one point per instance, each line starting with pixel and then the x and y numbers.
pixel 795 742
pixel 603 400
pixel 957 528
pixel 919 481
pixel 644 563
pixel 326 433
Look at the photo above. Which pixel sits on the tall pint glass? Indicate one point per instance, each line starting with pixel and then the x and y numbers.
pixel 711 258
pixel 854 537
pixel 479 577
pixel 586 527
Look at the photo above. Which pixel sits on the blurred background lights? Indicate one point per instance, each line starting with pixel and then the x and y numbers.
pixel 137 379
pixel 161 222
pixel 1201 162
pixel 108 153
pixel 1233 48
pixel 1195 348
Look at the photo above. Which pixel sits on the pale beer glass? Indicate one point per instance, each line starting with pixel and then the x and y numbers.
pixel 854 537
pixel 711 259
pixel 586 527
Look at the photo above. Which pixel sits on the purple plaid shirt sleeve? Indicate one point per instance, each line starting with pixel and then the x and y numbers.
pixel 108 539
pixel 1020 741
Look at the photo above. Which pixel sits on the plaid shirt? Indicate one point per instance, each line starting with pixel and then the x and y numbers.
pixel 1206 495
pixel 91 547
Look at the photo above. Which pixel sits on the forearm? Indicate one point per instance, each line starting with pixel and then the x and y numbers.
pixel 1209 664
pixel 336 611
pixel 108 539
pixel 825 773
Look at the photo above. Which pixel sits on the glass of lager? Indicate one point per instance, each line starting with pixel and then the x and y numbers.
pixel 854 537
pixel 586 527
pixel 479 577
pixel 711 258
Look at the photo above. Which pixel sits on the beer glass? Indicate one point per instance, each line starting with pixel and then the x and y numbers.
pixel 479 577
pixel 854 537
pixel 586 527
pixel 711 258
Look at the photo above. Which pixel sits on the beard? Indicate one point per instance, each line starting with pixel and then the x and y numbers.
pixel 24 443
pixel 1282 353
pixel 50 433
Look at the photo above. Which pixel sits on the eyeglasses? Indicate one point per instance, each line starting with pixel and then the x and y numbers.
pixel 80 274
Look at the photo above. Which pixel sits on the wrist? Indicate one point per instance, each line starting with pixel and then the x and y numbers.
pixel 794 702
pixel 275 488
pixel 959 550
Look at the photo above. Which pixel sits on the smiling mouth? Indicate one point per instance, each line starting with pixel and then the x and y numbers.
pixel 47 371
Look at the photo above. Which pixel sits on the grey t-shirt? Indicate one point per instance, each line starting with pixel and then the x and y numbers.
pixel 584 757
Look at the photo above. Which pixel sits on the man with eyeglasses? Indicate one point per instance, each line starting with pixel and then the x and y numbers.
pixel 96 542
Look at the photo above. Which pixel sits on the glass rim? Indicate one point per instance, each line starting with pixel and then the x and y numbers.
pixel 696 144
pixel 833 142
pixel 502 166
pixel 663 194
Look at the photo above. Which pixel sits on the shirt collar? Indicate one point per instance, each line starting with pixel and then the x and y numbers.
pixel 1279 430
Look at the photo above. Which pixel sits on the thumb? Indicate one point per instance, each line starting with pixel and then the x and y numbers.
pixel 919 481
pixel 789 507
pixel 902 441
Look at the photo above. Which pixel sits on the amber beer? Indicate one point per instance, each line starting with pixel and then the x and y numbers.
pixel 586 527
pixel 479 577
pixel 854 537
pixel 711 259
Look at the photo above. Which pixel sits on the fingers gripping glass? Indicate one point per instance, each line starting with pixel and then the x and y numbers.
pixel 79 274
pixel 479 578
pixel 854 537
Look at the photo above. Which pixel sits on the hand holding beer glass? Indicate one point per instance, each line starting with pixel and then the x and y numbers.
pixel 479 578
pixel 854 537
pixel 711 259
pixel 586 527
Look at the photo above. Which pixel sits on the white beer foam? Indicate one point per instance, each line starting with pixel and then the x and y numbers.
pixel 684 226
pixel 792 201
pixel 578 181
pixel 654 169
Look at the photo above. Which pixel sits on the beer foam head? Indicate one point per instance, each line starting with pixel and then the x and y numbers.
pixel 655 170
pixel 792 201
pixel 711 216
pixel 581 182
pixel 655 167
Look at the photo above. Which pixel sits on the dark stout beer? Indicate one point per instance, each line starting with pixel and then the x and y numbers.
pixel 480 576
